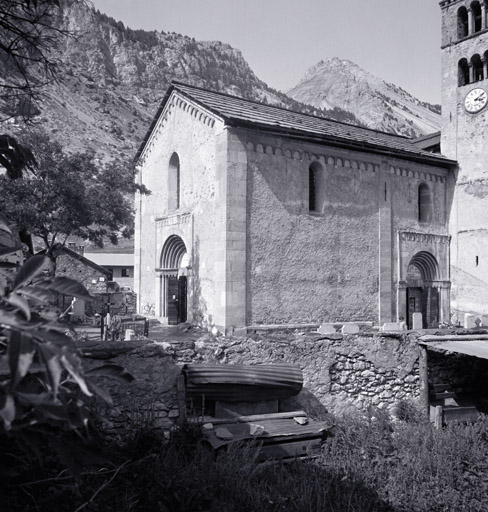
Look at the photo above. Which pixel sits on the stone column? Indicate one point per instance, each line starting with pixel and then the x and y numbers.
pixel 483 17
pixel 445 302
pixel 484 60
pixel 470 21
pixel 471 73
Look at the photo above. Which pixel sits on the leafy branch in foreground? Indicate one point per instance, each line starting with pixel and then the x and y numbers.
pixel 42 381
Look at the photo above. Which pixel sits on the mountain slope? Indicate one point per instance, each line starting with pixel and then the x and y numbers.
pixel 112 79
pixel 376 103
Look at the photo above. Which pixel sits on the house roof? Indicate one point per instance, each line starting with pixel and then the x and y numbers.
pixel 429 142
pixel 476 345
pixel 110 259
pixel 81 258
pixel 239 112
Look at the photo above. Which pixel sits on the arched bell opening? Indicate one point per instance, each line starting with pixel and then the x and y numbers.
pixel 423 295
pixel 173 283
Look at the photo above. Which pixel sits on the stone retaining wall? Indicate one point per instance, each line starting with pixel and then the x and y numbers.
pixel 342 373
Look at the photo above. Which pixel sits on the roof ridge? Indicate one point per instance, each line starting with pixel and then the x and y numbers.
pixel 176 83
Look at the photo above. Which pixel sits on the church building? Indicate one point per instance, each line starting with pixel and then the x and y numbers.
pixel 464 52
pixel 261 215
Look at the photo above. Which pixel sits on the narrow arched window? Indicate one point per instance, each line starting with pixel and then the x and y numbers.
pixel 174 182
pixel 463 72
pixel 312 190
pixel 476 8
pixel 315 186
pixel 424 203
pixel 462 22
pixel 477 68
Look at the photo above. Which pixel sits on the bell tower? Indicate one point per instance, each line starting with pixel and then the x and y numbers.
pixel 465 139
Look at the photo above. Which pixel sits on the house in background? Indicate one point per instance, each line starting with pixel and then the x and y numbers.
pixel 120 266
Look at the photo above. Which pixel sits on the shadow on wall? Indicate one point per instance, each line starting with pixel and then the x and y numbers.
pixel 308 402
pixel 199 306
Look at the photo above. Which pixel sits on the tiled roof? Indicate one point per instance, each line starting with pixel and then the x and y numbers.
pixel 237 111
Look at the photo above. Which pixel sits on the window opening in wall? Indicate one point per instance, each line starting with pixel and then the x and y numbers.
pixel 311 190
pixel 476 8
pixel 477 261
pixel 174 182
pixel 462 22
pixel 424 203
pixel 463 72
pixel 477 68
pixel 125 272
pixel 386 192
pixel 111 274
pixel 315 187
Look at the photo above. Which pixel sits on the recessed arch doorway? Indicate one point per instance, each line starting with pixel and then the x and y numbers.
pixel 173 283
pixel 422 289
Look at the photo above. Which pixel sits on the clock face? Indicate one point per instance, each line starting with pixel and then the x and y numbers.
pixel 475 100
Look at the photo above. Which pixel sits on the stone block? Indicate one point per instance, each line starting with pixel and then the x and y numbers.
pixel 417 321
pixel 484 320
pixel 326 329
pixel 391 327
pixel 469 321
pixel 350 329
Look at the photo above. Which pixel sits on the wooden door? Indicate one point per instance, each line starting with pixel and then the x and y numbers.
pixel 172 300
pixel 414 298
pixel 182 298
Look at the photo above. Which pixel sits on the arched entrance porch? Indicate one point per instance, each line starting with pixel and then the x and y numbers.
pixel 173 284
pixel 423 291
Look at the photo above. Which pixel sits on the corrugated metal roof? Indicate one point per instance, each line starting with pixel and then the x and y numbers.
pixel 243 383
pixel 106 259
pixel 476 348
pixel 241 112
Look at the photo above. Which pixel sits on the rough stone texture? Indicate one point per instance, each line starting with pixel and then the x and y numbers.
pixel 87 275
pixel 345 374
pixel 465 138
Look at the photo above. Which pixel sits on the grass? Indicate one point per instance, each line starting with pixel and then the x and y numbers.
pixel 369 464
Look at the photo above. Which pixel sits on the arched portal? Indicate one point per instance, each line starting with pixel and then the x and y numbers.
pixel 173 281
pixel 422 289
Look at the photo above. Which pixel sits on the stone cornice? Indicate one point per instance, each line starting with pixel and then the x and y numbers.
pixel 347 163
pixel 414 236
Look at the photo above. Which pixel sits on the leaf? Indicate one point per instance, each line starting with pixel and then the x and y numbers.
pixel 53 366
pixel 9 250
pixel 111 370
pixel 34 398
pixel 53 411
pixel 7 410
pixel 38 293
pixel 102 393
pixel 11 319
pixel 72 363
pixel 30 269
pixel 58 339
pixel 20 356
pixel 20 303
pixel 67 286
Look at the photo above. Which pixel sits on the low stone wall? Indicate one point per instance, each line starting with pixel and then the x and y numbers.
pixel 342 373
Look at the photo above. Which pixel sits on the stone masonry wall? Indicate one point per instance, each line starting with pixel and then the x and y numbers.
pixel 341 373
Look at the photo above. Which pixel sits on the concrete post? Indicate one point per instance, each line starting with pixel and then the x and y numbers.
pixel 424 379
pixel 470 21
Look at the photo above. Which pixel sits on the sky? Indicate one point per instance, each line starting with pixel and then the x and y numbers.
pixel 396 40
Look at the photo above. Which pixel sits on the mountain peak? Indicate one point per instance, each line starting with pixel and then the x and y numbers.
pixel 341 83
